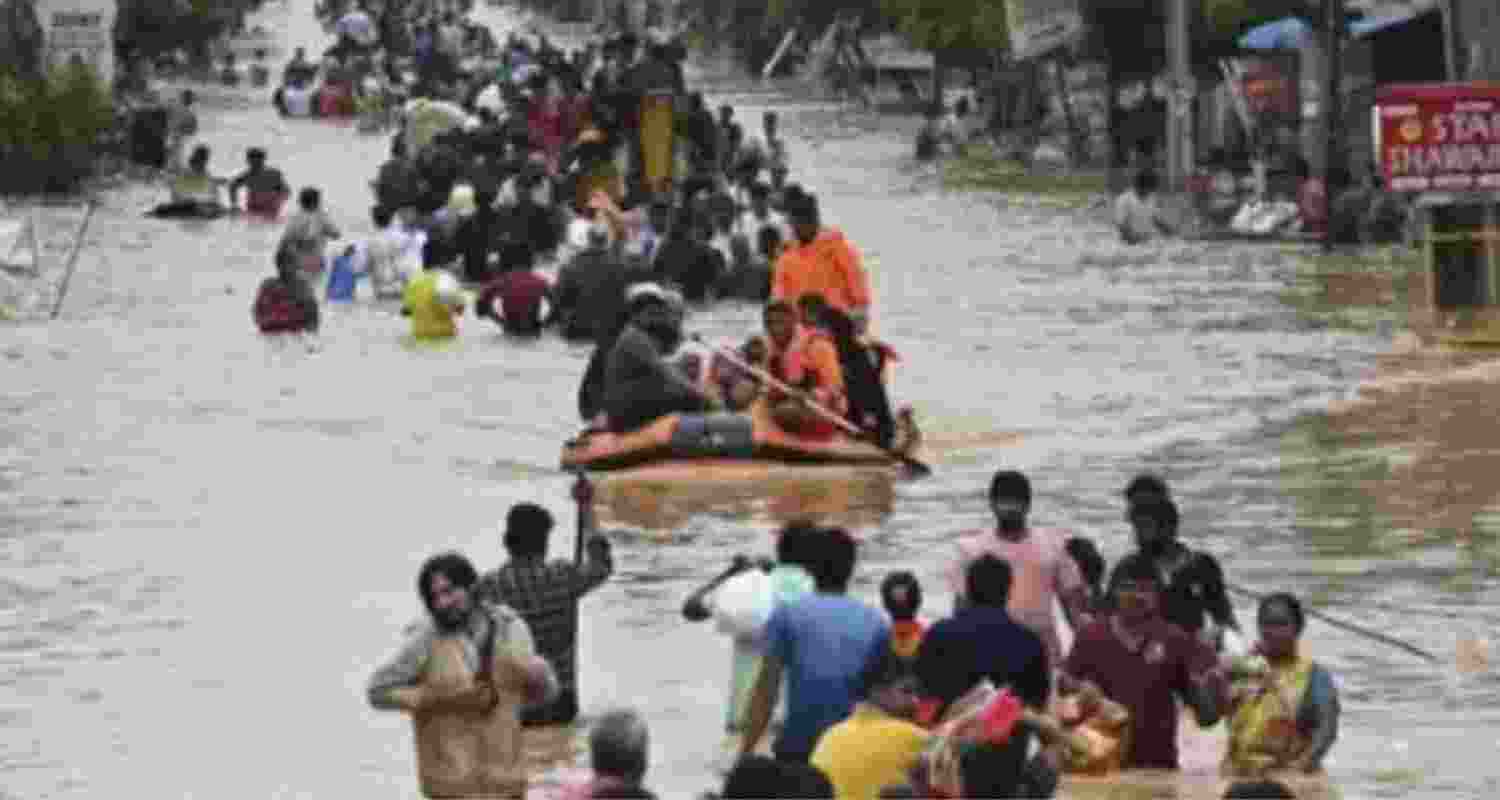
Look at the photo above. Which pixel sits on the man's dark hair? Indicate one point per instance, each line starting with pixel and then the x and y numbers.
pixel 987 581
pixel 1134 567
pixel 381 216
pixel 1010 485
pixel 1287 601
pixel 797 544
pixel 526 529
pixel 1090 562
pixel 255 154
pixel 778 307
pixel 833 562
pixel 1146 486
pixel 309 198
pixel 1258 790
pixel 901 609
pixel 992 770
pixel 764 778
pixel 454 566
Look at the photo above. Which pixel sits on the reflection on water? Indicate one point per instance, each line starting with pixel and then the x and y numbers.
pixel 664 499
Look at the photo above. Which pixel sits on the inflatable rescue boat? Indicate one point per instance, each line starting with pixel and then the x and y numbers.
pixel 749 437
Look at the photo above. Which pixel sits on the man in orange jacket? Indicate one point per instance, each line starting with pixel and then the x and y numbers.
pixel 805 359
pixel 821 261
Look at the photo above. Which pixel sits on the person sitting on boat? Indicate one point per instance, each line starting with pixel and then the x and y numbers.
pixel 195 186
pixel 1284 707
pixel 807 360
pixel 861 365
pixel 640 386
pixel 1137 659
pixel 309 231
pixel 1137 217
pixel 735 386
pixel 266 187
pixel 821 260
pixel 1193 596
pixel 286 303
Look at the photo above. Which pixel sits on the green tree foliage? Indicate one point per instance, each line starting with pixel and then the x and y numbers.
pixel 49 128
pixel 152 27
pixel 951 26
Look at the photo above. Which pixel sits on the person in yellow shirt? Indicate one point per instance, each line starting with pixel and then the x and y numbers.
pixel 434 301
pixel 877 745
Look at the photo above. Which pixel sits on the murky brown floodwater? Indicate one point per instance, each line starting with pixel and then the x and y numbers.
pixel 210 540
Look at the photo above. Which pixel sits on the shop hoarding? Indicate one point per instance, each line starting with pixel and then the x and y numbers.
pixel 1439 137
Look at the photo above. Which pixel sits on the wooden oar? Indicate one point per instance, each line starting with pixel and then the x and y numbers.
pixel 915 467
pixel 1348 626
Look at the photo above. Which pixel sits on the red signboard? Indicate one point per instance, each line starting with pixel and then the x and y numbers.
pixel 1439 137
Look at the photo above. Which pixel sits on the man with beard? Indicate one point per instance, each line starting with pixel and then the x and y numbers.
pixel 639 384
pixel 1141 661
pixel 1193 591
pixel 463 676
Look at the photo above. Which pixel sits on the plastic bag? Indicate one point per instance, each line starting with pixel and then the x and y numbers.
pixel 743 605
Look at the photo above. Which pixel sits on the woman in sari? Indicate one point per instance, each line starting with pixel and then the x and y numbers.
pixel 1284 706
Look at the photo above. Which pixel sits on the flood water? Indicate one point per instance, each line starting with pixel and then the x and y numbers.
pixel 210 540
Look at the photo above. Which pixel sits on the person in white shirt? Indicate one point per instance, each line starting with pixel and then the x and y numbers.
pixel 1136 215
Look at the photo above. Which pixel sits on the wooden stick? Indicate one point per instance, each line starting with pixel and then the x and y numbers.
pixel 1348 626
pixel 917 467
pixel 62 289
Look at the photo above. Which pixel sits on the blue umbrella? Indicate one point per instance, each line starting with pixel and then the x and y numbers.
pixel 1283 34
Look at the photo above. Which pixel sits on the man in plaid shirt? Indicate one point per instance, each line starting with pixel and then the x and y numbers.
pixel 546 594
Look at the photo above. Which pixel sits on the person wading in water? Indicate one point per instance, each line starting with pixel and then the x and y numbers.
pixel 1194 594
pixel 1041 568
pixel 546 593
pixel 463 676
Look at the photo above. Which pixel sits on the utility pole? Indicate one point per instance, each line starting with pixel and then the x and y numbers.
pixel 1180 97
pixel 1333 32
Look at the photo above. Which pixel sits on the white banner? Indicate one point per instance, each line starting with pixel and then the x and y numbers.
pixel 1038 27
pixel 82 30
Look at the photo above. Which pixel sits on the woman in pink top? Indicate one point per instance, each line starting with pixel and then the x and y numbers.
pixel 1039 562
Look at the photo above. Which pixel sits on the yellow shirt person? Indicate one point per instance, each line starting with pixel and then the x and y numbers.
pixel 869 751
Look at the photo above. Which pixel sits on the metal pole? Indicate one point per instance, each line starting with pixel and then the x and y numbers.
pixel 1177 122
pixel 1450 38
pixel 1333 25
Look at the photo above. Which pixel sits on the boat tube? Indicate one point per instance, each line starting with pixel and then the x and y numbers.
pixel 718 436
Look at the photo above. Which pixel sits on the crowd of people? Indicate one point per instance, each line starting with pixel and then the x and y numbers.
pixel 986 702
pixel 602 162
